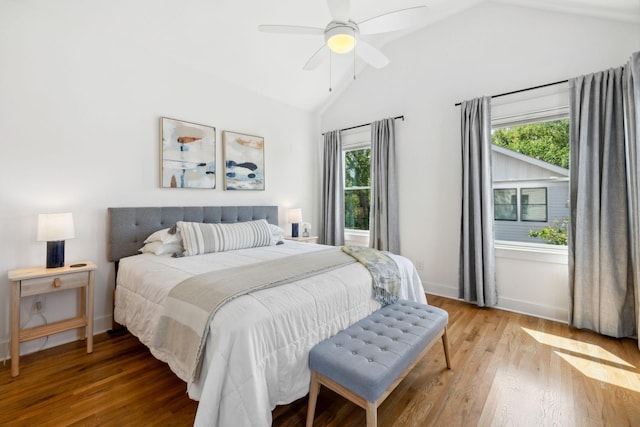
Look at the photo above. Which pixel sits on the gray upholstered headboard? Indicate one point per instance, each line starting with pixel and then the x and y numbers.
pixel 130 226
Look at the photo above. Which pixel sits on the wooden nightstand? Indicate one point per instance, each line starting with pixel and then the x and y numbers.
pixel 310 239
pixel 40 280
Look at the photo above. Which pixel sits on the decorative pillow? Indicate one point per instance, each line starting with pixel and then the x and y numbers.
pixel 277 234
pixel 200 238
pixel 160 248
pixel 164 236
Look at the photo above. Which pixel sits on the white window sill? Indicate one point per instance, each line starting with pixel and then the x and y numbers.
pixel 540 252
pixel 356 237
pixel 349 232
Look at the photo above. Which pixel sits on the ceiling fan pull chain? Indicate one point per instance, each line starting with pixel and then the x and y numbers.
pixel 330 67
pixel 354 57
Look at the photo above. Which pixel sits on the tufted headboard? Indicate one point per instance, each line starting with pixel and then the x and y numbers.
pixel 130 226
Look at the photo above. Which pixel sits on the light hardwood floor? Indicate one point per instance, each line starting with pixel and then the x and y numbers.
pixel 508 370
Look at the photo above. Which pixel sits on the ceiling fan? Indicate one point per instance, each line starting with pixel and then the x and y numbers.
pixel 343 35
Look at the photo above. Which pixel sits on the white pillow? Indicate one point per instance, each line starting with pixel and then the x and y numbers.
pixel 277 234
pixel 200 238
pixel 163 236
pixel 160 248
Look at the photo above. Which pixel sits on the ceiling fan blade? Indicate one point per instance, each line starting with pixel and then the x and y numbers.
pixel 370 54
pixel 339 9
pixel 290 29
pixel 316 59
pixel 393 21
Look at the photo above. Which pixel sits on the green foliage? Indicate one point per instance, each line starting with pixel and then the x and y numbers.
pixel 356 209
pixel 554 234
pixel 547 141
pixel 357 194
pixel 357 166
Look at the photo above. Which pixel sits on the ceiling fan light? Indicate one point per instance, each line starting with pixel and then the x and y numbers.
pixel 341 43
pixel 341 39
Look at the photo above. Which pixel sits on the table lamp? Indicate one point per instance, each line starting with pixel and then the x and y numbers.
pixel 294 216
pixel 54 229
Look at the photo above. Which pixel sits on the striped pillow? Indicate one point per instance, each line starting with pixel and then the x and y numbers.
pixel 199 238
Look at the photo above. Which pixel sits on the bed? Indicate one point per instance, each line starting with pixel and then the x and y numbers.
pixel 256 351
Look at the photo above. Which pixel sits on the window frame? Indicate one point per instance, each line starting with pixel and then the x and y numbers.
pixel 546 204
pixel 518 119
pixel 514 197
pixel 357 139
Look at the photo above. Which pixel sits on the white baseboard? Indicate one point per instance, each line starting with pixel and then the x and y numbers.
pixel 557 314
pixel 100 325
pixel 440 290
pixel 548 312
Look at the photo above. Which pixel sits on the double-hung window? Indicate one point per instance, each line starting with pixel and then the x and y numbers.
pixel 357 188
pixel 530 166
pixel 357 179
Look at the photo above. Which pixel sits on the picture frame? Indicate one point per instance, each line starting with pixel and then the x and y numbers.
pixel 243 161
pixel 187 154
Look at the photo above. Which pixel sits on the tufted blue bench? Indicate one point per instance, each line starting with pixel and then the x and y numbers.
pixel 365 362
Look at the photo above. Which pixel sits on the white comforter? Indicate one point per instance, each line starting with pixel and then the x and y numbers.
pixel 256 354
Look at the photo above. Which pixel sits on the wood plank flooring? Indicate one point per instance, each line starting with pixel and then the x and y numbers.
pixel 508 370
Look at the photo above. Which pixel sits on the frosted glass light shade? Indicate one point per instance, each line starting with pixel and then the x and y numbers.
pixel 341 43
pixel 55 227
pixel 341 38
pixel 294 216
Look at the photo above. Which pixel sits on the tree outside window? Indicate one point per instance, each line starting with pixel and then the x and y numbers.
pixel 547 141
pixel 357 188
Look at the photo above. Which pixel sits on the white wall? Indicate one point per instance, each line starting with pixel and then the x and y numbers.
pixel 489 49
pixel 81 93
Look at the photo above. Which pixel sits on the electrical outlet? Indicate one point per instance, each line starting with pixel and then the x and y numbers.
pixel 38 305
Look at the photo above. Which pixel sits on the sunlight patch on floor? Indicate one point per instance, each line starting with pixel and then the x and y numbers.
pixel 602 372
pixel 591 360
pixel 587 349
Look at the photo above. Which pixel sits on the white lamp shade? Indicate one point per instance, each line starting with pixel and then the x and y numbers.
pixel 54 227
pixel 294 216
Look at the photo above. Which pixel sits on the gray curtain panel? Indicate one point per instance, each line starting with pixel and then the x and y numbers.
pixel 384 229
pixel 477 282
pixel 603 236
pixel 632 116
pixel 332 190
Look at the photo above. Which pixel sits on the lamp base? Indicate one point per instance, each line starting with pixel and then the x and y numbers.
pixel 55 254
pixel 294 230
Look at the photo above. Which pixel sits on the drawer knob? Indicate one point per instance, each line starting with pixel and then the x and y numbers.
pixel 57 282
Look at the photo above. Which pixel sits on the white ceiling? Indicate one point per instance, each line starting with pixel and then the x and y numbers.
pixel 225 32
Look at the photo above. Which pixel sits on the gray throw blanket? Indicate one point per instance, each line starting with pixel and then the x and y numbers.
pixel 190 306
pixel 384 271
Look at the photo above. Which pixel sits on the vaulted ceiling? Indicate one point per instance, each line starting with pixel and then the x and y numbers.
pixel 222 38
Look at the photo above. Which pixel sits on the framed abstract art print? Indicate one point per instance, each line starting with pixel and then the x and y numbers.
pixel 188 154
pixel 243 161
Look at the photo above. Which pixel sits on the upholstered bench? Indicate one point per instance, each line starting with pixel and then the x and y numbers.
pixel 365 362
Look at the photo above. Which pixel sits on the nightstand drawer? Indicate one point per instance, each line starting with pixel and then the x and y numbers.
pixel 53 283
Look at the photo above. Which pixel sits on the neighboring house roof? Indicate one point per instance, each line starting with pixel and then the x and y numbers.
pixel 509 165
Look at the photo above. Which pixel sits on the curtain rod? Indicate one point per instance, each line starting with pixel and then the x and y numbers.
pixel 367 124
pixel 523 90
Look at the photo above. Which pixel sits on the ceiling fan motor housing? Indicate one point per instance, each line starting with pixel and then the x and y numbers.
pixel 341 36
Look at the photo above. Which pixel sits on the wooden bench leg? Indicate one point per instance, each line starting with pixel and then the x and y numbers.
pixel 314 388
pixel 445 343
pixel 372 414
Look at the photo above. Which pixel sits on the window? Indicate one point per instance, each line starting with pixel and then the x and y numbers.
pixel 530 166
pixel 533 204
pixel 504 204
pixel 357 188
